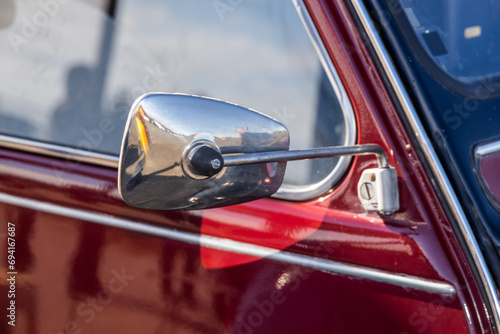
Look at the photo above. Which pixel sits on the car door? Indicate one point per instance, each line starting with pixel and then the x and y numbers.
pixel 310 259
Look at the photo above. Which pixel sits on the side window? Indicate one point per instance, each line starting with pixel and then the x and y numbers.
pixel 72 69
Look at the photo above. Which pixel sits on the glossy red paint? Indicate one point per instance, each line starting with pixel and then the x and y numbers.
pixel 169 286
pixel 164 288
pixel 343 236
pixel 266 223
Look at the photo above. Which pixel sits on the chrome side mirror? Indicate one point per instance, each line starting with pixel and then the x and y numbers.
pixel 169 136
pixel 189 152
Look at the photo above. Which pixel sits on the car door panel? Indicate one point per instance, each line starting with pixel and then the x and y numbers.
pixel 87 274
pixel 87 262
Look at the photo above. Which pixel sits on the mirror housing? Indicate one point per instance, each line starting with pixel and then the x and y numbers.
pixel 165 132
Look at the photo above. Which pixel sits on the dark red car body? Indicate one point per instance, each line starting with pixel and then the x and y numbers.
pixel 88 263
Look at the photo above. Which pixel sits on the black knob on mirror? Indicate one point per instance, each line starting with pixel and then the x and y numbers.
pixel 206 161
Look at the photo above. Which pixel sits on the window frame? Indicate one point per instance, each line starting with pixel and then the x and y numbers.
pixel 315 190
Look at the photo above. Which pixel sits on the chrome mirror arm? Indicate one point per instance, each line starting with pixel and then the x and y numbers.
pixel 316 153
pixel 209 164
pixel 377 187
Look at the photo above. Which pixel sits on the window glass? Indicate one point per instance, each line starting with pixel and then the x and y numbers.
pixel 72 69
pixel 457 42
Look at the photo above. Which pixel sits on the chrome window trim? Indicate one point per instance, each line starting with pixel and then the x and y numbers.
pixel 297 193
pixel 325 265
pixel 57 151
pixel 482 151
pixel 487 149
pixel 315 190
pixel 425 144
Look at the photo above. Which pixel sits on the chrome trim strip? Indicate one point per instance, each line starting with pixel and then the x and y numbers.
pixel 431 156
pixel 487 149
pixel 318 189
pixel 63 152
pixel 312 153
pixel 328 266
pixel 480 152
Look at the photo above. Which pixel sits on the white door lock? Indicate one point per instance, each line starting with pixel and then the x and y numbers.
pixel 378 190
